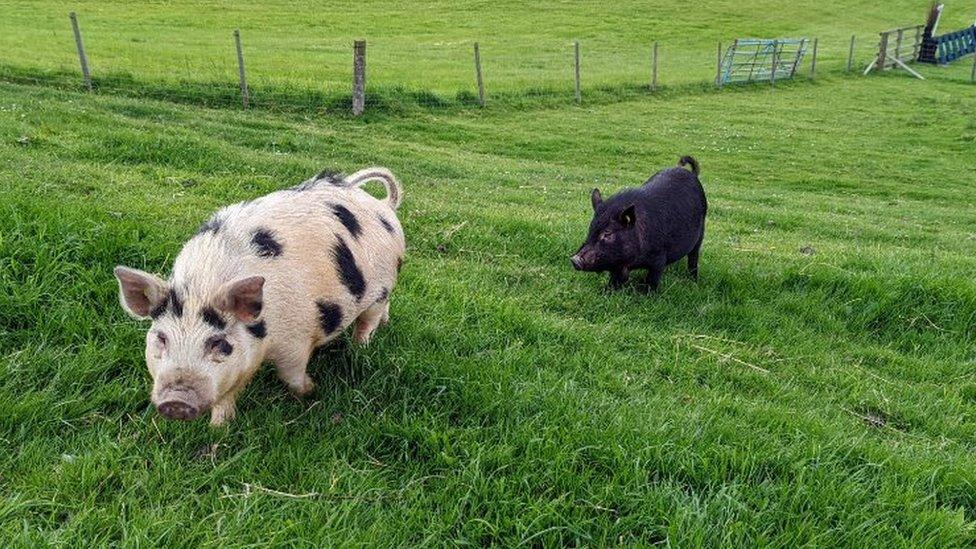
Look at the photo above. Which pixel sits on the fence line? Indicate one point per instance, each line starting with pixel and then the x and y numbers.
pixel 612 78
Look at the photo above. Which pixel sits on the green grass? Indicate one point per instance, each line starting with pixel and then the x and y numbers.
pixel 306 48
pixel 817 386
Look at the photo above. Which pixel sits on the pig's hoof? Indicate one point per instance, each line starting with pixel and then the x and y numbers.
pixel 304 388
pixel 364 334
pixel 646 289
pixel 222 415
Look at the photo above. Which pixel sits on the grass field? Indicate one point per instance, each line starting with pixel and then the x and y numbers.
pixel 173 47
pixel 816 386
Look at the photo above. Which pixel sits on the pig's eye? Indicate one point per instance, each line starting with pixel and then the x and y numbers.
pixel 219 345
pixel 161 339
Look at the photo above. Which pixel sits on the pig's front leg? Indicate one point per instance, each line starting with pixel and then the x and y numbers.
pixel 618 277
pixel 224 410
pixel 291 365
pixel 654 271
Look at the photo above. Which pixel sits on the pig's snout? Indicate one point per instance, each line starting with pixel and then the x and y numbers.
pixel 577 262
pixel 181 402
pixel 584 259
pixel 175 409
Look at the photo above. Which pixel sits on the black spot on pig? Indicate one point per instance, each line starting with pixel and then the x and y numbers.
pixel 387 225
pixel 220 344
pixel 265 244
pixel 171 302
pixel 213 318
pixel 159 309
pixel 648 227
pixel 384 295
pixel 211 225
pixel 225 347
pixel 175 304
pixel 348 219
pixel 258 330
pixel 349 272
pixel 330 316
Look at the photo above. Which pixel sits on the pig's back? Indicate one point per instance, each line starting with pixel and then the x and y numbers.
pixel 677 187
pixel 325 246
pixel 675 204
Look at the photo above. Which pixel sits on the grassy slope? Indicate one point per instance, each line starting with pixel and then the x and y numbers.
pixel 510 399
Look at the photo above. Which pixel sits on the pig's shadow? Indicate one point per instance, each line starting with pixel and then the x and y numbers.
pixel 334 364
pixel 335 368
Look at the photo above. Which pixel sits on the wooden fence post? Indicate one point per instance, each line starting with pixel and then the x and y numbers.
pixel 245 94
pixel 358 77
pixel 718 67
pixel 775 63
pixel 477 70
pixel 972 78
pixel 654 69
pixel 813 61
pixel 579 96
pixel 850 55
pixel 86 75
pixel 883 51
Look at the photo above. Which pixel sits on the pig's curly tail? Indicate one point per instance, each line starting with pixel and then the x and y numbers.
pixel 394 192
pixel 689 161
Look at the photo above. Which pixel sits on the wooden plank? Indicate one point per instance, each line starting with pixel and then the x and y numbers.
pixel 909 69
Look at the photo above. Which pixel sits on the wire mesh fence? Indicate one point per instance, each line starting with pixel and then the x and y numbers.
pixel 203 65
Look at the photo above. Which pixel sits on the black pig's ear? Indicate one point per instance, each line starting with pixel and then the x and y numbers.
pixel 627 217
pixel 596 198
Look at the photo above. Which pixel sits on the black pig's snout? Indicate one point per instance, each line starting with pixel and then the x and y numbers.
pixel 577 262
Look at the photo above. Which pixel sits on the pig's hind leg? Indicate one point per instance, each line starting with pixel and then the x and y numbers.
pixel 291 366
pixel 693 259
pixel 369 320
pixel 693 262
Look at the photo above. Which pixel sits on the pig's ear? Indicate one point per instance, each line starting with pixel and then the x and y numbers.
pixel 140 292
pixel 627 217
pixel 596 198
pixel 243 298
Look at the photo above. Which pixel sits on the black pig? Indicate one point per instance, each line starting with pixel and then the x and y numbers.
pixel 648 227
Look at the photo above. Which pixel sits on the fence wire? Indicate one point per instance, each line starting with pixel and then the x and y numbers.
pixel 200 65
